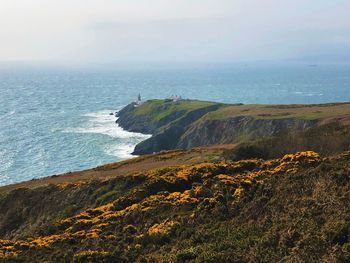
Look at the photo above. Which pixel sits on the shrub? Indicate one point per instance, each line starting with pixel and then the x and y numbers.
pixel 187 254
pixel 94 256
pixel 338 232
pixel 130 229
pixel 245 151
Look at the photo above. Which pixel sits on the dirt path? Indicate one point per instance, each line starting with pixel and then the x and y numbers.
pixel 138 164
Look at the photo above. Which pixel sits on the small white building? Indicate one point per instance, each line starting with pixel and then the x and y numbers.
pixel 175 98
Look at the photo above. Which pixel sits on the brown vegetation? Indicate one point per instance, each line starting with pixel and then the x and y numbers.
pixel 293 209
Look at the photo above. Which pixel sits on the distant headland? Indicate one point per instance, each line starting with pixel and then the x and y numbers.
pixel 183 124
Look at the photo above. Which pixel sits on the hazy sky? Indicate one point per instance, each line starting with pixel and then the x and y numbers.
pixel 109 31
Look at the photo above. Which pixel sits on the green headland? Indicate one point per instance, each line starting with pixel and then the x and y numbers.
pixel 189 123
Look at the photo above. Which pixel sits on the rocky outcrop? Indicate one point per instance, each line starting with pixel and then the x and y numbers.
pixel 169 137
pixel 135 123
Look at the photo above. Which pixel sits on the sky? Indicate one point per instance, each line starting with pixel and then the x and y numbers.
pixel 162 31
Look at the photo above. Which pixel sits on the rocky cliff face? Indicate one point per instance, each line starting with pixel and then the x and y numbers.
pixel 169 137
pixel 133 123
pixel 166 120
pixel 238 129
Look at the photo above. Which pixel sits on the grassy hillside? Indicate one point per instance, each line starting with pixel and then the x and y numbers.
pixel 292 209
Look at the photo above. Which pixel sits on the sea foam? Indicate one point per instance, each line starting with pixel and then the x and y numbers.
pixel 103 122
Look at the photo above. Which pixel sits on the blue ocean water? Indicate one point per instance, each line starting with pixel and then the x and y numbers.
pixel 54 120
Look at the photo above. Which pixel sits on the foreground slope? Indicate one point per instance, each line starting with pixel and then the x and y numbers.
pixel 293 209
pixel 36 203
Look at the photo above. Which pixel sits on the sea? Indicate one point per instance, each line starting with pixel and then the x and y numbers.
pixel 56 120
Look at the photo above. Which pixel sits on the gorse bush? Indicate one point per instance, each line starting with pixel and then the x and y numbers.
pixel 292 209
pixel 187 254
pixel 246 151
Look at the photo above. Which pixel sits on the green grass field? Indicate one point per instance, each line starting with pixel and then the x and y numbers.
pixel 306 112
pixel 160 109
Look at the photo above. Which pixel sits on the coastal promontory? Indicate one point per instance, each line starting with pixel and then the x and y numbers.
pixel 191 123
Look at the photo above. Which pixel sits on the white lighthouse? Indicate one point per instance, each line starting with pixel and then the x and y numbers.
pixel 138 102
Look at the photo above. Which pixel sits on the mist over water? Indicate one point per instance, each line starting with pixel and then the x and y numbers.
pixel 55 121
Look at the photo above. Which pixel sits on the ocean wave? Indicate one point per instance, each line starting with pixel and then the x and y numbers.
pixel 113 130
pixel 102 116
pixel 8 114
pixel 103 123
pixel 122 151
pixel 307 94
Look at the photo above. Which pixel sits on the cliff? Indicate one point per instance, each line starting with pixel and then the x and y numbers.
pixel 239 129
pixel 187 124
